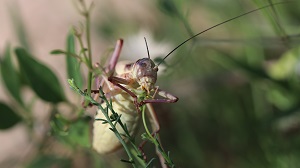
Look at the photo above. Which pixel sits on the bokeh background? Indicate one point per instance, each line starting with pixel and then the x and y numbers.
pixel 238 84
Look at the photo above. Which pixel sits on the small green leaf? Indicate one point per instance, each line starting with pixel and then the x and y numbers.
pixel 114 116
pixel 145 136
pixel 10 76
pixel 8 117
pixel 74 87
pixel 127 161
pixel 40 78
pixel 56 52
pixel 73 65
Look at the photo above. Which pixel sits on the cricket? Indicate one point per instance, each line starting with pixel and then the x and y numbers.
pixel 130 82
pixel 130 86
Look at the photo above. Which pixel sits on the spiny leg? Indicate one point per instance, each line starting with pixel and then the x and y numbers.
pixel 115 57
pixel 108 70
pixel 168 98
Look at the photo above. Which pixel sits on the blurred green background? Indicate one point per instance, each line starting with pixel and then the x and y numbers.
pixel 238 84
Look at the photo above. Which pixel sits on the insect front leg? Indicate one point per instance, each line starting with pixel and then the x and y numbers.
pixel 169 98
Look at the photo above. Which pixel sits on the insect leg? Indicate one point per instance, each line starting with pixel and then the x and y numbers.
pixel 169 98
pixel 118 81
pixel 108 70
pixel 115 57
pixel 110 67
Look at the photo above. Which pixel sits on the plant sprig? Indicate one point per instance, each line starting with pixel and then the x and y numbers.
pixel 113 120
pixel 155 140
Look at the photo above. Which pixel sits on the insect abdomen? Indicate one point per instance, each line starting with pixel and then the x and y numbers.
pixel 104 140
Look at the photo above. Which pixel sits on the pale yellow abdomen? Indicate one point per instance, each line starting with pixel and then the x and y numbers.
pixel 104 140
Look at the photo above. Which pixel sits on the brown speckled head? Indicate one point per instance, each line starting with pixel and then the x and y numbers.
pixel 145 72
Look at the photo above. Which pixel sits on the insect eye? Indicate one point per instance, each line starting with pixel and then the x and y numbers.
pixel 143 64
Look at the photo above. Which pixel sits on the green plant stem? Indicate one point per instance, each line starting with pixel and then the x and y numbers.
pixel 137 152
pixel 155 141
pixel 105 113
pixel 85 12
pixel 145 124
pixel 88 39
pixel 88 63
pixel 69 54
pixel 131 160
pixel 82 47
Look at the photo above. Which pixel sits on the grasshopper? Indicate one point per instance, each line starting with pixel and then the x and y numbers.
pixel 125 83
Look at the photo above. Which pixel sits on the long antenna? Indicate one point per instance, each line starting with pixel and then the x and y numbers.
pixel 147 47
pixel 219 25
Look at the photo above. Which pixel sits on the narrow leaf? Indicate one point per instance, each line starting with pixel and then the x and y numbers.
pixel 40 78
pixel 127 161
pixel 8 117
pixel 10 76
pixel 150 163
pixel 56 52
pixel 73 65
